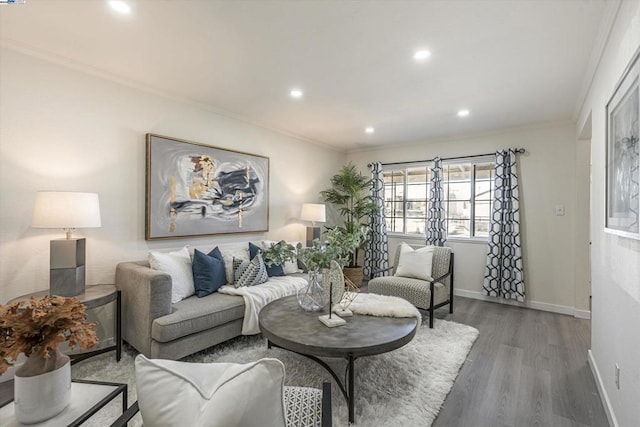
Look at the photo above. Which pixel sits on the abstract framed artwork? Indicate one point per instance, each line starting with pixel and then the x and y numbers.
pixel 194 189
pixel 623 158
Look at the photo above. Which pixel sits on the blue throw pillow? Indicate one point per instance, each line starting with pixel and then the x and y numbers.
pixel 208 272
pixel 253 250
pixel 274 270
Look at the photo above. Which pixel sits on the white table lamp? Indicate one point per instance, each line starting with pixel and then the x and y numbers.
pixel 68 211
pixel 313 212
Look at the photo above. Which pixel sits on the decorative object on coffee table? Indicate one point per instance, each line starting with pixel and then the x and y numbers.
pixel 66 210
pixel 321 256
pixel 331 320
pixel 311 297
pixel 43 383
pixel 348 296
pixel 333 283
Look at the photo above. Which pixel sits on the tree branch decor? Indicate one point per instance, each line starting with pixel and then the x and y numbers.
pixel 37 327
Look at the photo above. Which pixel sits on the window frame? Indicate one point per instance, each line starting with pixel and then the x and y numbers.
pixel 474 161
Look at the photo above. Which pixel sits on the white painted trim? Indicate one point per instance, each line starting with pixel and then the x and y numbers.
pixel 581 314
pixel 536 305
pixel 608 409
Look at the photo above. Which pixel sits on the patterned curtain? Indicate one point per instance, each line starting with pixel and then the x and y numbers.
pixel 376 255
pixel 504 274
pixel 436 231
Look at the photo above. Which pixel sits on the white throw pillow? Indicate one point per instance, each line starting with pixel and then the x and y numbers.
pixel 173 393
pixel 415 263
pixel 178 265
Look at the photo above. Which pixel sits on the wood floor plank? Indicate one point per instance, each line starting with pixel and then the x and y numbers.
pixel 527 368
pixel 534 406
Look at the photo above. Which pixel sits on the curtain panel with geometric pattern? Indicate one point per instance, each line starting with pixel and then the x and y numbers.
pixel 436 230
pixel 376 255
pixel 504 273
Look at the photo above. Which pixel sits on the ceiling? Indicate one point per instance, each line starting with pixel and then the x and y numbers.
pixel 511 63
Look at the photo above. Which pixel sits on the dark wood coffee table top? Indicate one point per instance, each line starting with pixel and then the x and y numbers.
pixel 286 325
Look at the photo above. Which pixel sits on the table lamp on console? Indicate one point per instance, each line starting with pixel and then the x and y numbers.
pixel 313 212
pixel 66 210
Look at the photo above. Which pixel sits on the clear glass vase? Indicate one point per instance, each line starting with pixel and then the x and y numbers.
pixel 311 297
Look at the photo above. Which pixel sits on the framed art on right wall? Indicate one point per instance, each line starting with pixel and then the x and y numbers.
pixel 623 158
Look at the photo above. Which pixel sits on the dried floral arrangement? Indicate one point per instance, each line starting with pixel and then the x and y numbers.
pixel 36 327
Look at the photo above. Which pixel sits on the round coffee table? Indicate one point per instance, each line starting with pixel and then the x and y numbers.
pixel 287 326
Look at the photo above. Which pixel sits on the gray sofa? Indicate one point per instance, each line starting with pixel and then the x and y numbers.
pixel 162 330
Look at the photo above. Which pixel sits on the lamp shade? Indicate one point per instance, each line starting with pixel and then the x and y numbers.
pixel 313 212
pixel 66 209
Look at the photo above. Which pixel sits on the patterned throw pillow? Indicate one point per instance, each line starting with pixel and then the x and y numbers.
pixel 249 273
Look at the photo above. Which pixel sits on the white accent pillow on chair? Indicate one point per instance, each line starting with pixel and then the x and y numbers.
pixel 173 393
pixel 415 263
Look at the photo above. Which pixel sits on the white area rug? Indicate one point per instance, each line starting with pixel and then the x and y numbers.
pixel 405 387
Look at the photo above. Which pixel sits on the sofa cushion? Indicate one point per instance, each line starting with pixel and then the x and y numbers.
pixel 249 273
pixel 208 272
pixel 178 265
pixel 195 314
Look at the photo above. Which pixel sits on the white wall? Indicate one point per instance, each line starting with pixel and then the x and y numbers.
pixel 63 129
pixel 615 260
pixel 547 179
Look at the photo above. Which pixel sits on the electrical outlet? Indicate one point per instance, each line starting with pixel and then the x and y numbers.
pixel 617 376
pixel 559 210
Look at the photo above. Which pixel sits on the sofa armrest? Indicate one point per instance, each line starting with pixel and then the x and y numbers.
pixel 146 295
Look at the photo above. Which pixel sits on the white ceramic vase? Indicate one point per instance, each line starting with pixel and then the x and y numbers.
pixel 40 396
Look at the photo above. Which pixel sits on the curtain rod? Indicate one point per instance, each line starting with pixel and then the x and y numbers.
pixel 517 150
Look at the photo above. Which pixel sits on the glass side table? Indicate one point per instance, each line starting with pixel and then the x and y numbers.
pixel 87 398
pixel 93 296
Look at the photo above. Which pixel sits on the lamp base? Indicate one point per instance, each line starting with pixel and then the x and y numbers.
pixel 312 234
pixel 67 267
pixel 67 282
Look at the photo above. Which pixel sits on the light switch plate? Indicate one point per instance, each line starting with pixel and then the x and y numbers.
pixel 559 210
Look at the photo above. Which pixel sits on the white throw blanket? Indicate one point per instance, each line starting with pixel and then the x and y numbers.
pixel 382 306
pixel 256 297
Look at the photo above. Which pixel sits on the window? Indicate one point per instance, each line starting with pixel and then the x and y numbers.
pixel 468 194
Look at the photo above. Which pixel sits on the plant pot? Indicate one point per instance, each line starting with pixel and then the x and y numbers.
pixel 42 387
pixel 354 274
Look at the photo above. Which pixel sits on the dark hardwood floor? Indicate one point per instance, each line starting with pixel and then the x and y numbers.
pixel 527 368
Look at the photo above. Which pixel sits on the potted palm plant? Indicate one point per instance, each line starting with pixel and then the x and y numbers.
pixel 350 194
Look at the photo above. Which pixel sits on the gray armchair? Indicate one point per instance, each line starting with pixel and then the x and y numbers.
pixel 425 295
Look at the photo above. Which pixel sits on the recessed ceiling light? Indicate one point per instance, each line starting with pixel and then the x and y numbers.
pixel 120 6
pixel 369 129
pixel 421 55
pixel 296 93
pixel 463 113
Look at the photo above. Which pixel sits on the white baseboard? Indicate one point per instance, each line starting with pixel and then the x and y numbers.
pixel 536 305
pixel 608 409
